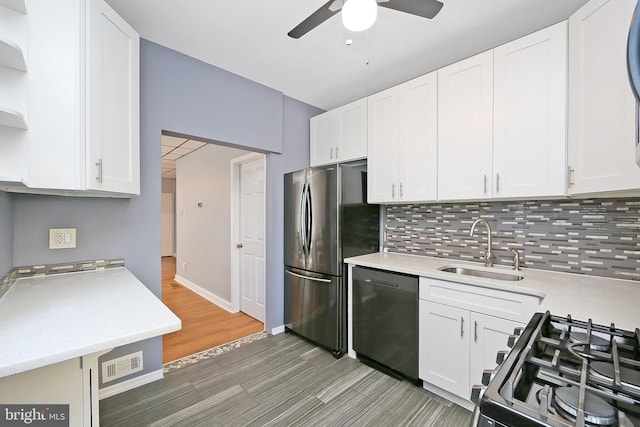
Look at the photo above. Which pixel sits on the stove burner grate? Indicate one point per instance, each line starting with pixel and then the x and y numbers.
pixel 596 410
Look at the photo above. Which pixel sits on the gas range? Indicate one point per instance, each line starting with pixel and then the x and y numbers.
pixel 564 372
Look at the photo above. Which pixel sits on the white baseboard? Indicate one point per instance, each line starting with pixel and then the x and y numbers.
pixel 138 381
pixel 209 296
pixel 277 330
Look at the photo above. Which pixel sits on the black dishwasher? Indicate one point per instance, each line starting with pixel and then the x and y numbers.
pixel 385 320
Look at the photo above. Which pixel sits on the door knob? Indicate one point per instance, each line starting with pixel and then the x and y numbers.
pixel 239 245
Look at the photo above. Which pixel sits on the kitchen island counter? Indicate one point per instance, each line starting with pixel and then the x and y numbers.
pixel 603 300
pixel 49 319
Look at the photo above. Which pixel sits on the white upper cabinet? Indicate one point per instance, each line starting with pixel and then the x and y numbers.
pixel 382 160
pixel 89 115
pixel 113 113
pixel 13 66
pixel 529 115
pixel 502 120
pixel 465 128
pixel 402 161
pixel 339 135
pixel 601 104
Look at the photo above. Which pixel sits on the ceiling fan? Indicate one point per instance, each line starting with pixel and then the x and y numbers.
pixel 425 8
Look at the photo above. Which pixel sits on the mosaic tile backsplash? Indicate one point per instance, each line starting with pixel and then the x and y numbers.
pixel 599 237
pixel 47 269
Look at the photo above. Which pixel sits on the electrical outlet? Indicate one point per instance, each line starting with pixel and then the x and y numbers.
pixel 62 238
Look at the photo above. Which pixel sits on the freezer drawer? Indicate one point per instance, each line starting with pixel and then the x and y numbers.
pixel 385 319
pixel 314 308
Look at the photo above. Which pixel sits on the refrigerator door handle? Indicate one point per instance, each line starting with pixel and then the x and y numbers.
pixel 302 219
pixel 309 220
pixel 314 279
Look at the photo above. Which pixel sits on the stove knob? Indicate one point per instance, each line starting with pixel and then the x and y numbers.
pixel 518 331
pixel 511 341
pixel 502 354
pixel 487 376
pixel 476 393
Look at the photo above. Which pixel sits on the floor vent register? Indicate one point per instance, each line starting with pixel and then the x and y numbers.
pixel 121 367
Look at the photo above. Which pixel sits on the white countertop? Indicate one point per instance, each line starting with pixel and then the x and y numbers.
pixel 49 319
pixel 602 300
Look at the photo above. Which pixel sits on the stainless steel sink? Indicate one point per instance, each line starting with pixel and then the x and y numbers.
pixel 470 271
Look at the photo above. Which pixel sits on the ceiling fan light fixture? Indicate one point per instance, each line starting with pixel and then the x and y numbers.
pixel 358 15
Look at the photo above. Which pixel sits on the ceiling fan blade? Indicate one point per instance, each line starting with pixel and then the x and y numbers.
pixel 316 18
pixel 425 8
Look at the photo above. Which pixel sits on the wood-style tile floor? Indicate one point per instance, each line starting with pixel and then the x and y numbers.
pixel 204 325
pixel 280 380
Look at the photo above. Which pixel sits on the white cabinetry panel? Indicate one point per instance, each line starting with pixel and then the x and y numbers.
pixel 113 52
pixel 601 104
pixel 530 99
pixel 339 135
pixel 402 136
pixel 465 128
pixel 444 347
pixel 83 104
pixel 462 327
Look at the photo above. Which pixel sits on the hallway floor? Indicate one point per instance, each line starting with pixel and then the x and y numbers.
pixel 204 324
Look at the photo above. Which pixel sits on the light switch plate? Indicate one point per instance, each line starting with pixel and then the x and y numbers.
pixel 62 238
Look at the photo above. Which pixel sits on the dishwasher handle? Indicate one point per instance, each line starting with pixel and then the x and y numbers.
pixel 381 283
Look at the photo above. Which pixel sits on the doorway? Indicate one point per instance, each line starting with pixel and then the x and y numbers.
pixel 248 234
pixel 199 288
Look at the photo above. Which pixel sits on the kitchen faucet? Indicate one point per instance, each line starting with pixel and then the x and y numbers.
pixel 488 256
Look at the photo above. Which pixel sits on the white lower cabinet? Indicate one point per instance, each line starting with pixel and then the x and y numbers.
pixel 73 382
pixel 444 347
pixel 462 328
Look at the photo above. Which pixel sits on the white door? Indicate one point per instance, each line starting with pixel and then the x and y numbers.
pixel 167 225
pixel 252 232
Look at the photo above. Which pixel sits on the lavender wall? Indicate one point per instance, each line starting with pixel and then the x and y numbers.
pixel 182 95
pixel 6 233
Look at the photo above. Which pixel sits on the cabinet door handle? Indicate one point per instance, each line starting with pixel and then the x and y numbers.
pixel 393 190
pixel 475 330
pixel 99 165
pixel 462 327
pixel 337 152
pixel 331 153
pixel 401 192
pixel 497 183
pixel 569 175
pixel 485 184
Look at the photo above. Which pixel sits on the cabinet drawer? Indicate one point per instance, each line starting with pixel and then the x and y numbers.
pixel 503 304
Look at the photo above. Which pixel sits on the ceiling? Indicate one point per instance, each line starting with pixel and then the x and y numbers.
pixel 249 38
pixel 172 149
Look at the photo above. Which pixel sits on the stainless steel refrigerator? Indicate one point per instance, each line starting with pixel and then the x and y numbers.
pixel 327 219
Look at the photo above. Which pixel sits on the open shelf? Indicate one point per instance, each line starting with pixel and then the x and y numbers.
pixel 18 5
pixel 12 118
pixel 12 56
